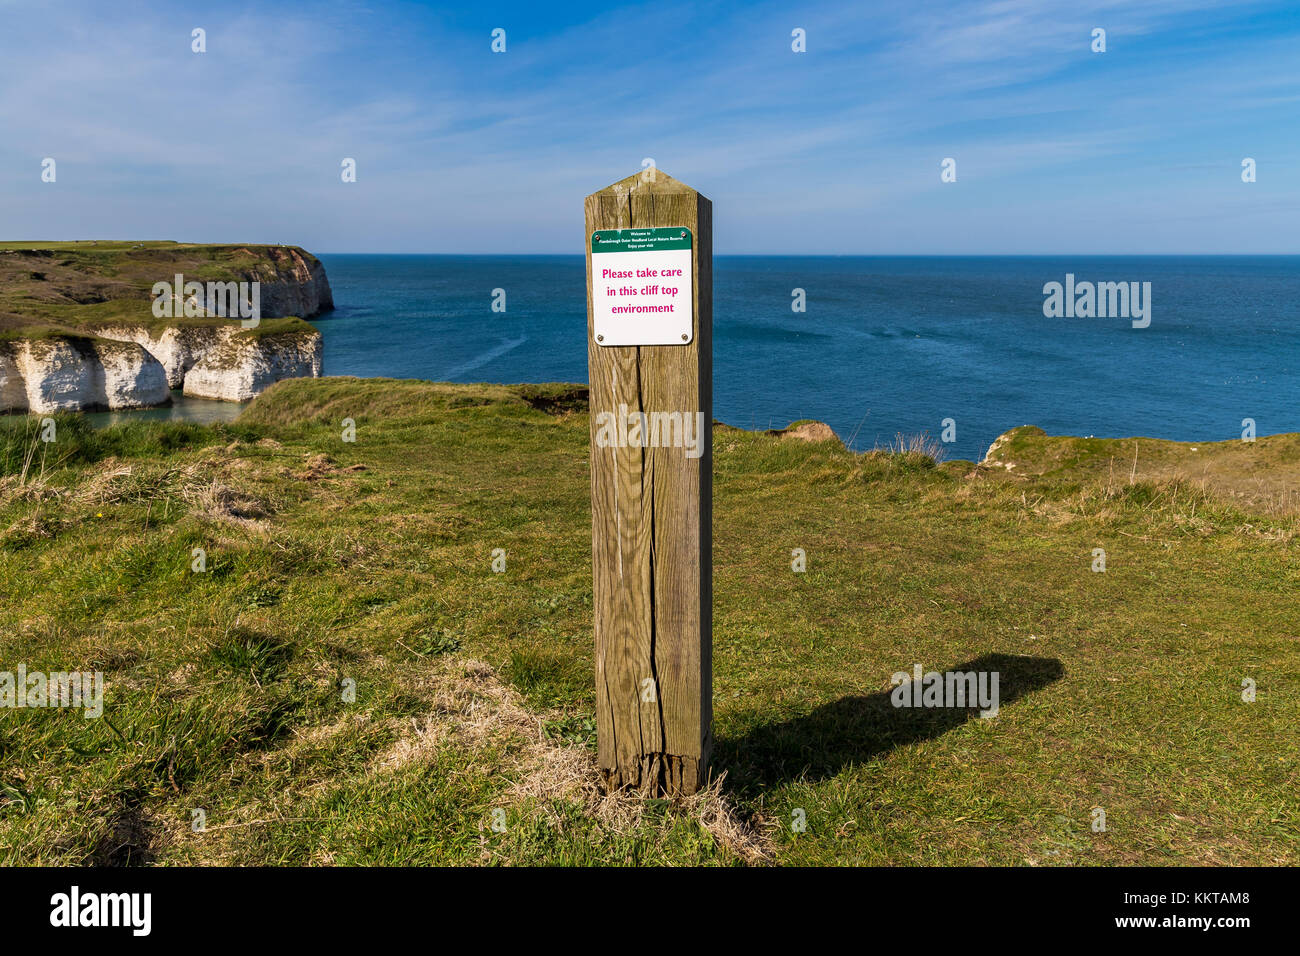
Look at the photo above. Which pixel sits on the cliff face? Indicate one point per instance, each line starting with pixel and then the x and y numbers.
pixel 86 356
pixel 225 362
pixel 245 366
pixel 298 286
pixel 178 349
pixel 50 375
pixel 290 283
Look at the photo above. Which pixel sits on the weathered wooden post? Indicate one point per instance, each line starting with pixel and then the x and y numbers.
pixel 650 360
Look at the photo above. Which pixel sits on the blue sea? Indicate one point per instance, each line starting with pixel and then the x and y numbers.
pixel 886 344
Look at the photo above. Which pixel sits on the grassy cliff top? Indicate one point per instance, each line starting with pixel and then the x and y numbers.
pixel 1263 475
pixel 329 561
pixel 68 288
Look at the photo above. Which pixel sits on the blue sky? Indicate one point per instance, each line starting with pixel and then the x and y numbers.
pixel 836 150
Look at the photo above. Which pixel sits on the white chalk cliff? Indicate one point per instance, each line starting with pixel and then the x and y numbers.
pixel 57 374
pixel 127 368
pixel 245 366
pixel 178 349
pixel 124 367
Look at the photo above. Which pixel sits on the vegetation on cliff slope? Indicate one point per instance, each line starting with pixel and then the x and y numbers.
pixel 66 288
pixel 333 565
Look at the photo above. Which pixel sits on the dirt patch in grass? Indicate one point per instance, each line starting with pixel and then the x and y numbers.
pixel 129 839
pixel 555 400
pixel 806 431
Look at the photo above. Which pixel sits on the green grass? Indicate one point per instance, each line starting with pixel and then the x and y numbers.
pixel 316 692
pixel 70 289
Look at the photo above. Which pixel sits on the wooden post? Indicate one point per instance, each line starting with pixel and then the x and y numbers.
pixel 651 507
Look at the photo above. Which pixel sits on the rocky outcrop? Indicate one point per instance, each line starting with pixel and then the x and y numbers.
pixel 178 349
pixel 247 364
pixel 13 389
pixel 997 455
pixel 129 368
pixel 225 363
pixel 299 286
pixel 57 374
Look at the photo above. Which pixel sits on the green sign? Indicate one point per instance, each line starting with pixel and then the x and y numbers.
pixel 660 239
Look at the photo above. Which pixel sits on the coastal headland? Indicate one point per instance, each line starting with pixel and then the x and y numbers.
pixel 83 325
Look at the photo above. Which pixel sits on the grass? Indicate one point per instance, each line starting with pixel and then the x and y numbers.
pixel 70 289
pixel 349 682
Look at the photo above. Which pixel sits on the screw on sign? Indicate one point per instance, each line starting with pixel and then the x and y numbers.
pixel 650 362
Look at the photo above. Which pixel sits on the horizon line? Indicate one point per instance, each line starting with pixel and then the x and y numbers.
pixel 750 255
pixel 866 255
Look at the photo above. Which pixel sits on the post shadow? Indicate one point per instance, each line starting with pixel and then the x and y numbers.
pixel 856 729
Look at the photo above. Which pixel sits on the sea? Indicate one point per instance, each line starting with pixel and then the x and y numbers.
pixel 956 348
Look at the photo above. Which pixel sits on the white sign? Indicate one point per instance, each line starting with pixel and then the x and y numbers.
pixel 641 286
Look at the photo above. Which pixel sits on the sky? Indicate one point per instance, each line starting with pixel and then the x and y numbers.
pixel 836 150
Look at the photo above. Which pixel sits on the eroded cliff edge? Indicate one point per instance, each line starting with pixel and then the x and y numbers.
pixel 79 331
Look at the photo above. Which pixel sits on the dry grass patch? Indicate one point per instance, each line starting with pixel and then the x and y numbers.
pixel 472 707
pixel 222 503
